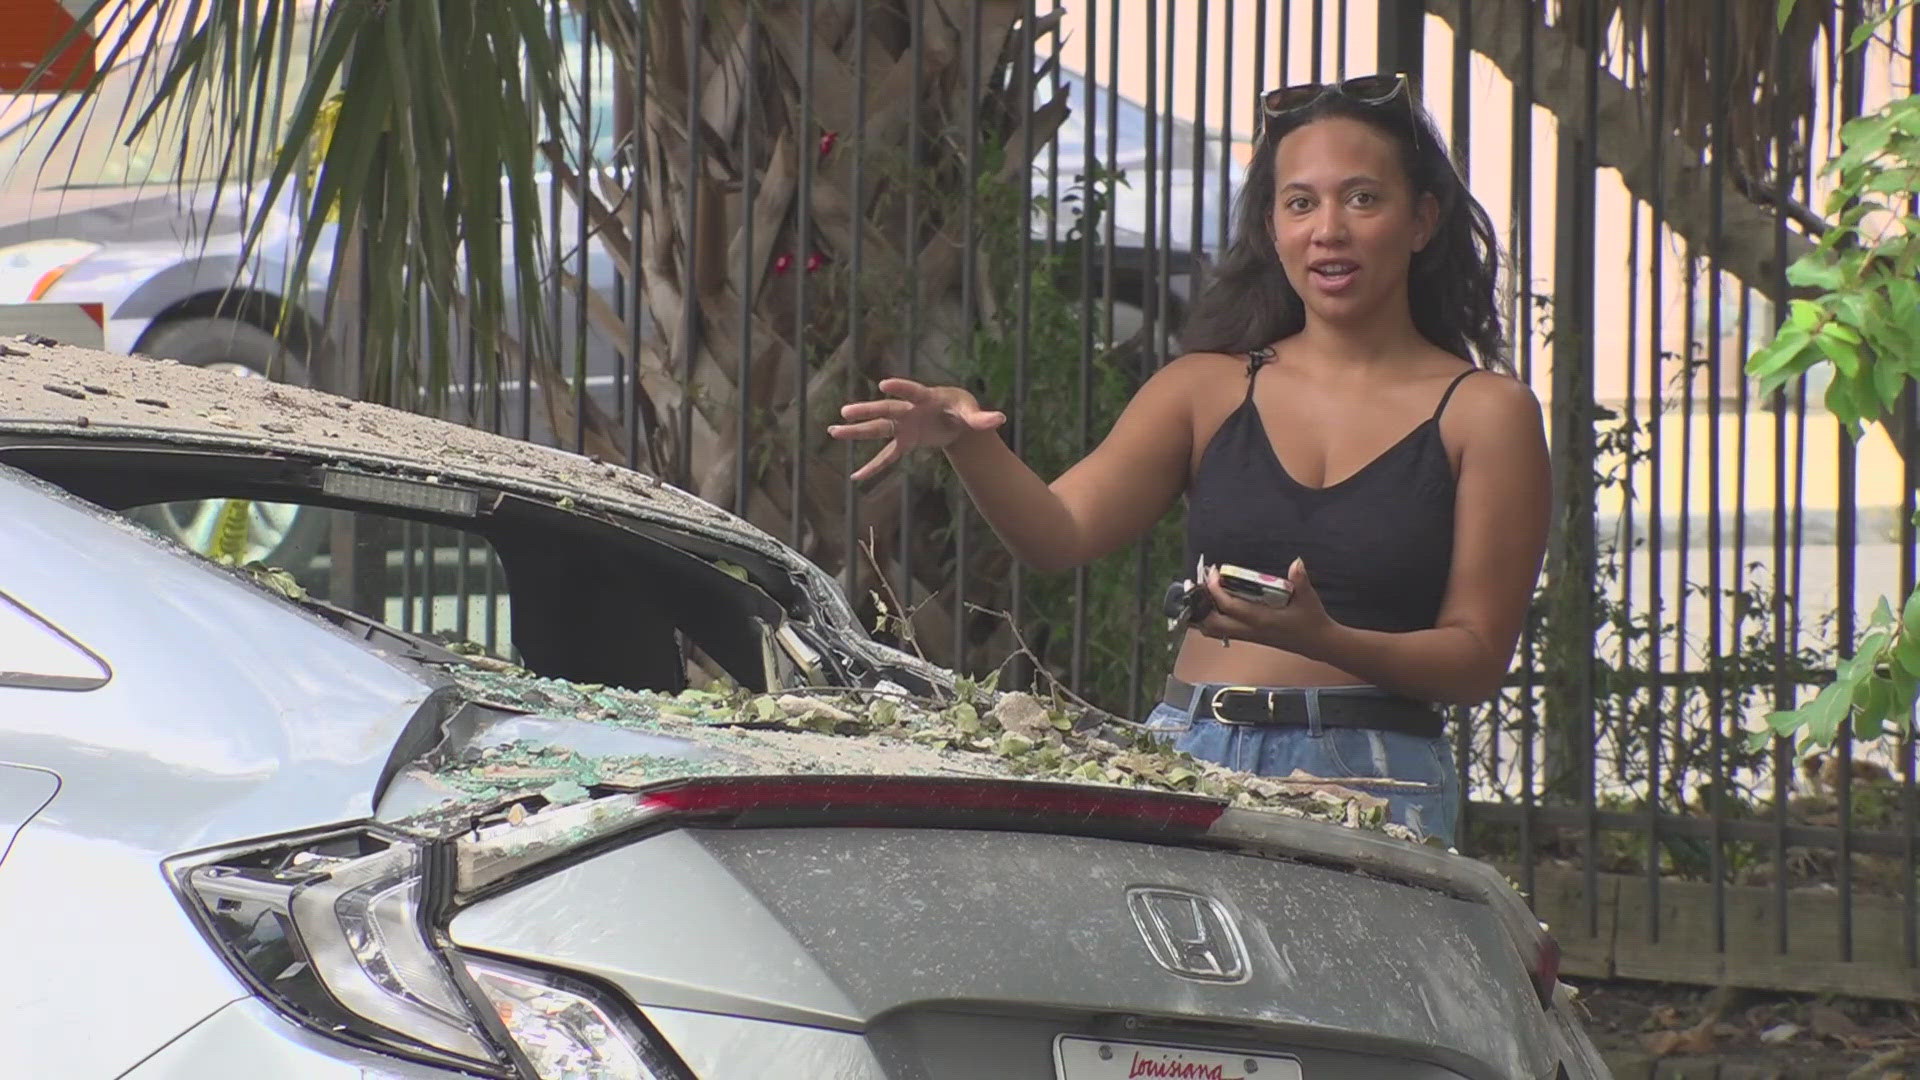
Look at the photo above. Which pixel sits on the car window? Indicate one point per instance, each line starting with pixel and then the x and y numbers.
pixel 38 655
pixel 440 582
pixel 529 584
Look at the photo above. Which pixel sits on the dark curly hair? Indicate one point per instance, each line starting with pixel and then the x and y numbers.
pixel 1248 302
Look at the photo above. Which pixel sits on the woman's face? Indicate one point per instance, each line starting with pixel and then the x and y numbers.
pixel 1346 220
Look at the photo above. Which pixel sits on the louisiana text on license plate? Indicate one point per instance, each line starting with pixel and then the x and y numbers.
pixel 1105 1059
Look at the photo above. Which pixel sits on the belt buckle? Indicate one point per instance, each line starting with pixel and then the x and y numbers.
pixel 1214 701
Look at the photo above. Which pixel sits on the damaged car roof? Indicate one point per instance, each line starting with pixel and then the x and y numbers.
pixel 51 388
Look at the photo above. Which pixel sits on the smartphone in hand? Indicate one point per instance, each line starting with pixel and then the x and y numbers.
pixel 1188 601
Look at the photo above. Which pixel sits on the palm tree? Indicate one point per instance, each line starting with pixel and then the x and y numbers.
pixel 765 148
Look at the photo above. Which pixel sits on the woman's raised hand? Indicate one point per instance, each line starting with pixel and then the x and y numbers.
pixel 910 417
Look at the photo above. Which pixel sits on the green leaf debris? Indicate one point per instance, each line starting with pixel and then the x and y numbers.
pixel 979 731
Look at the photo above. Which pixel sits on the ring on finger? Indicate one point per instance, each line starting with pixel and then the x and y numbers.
pixel 893 428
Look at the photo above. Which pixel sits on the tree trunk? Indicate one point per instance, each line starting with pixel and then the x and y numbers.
pixel 696 273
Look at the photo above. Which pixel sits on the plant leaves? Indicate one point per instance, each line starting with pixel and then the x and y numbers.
pixel 1804 314
pixel 1814 271
pixel 1873 704
pixel 1844 354
pixel 1827 711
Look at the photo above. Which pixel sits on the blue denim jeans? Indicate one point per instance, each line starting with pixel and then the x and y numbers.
pixel 1351 756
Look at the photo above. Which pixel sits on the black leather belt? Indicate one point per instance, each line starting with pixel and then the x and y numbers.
pixel 1340 707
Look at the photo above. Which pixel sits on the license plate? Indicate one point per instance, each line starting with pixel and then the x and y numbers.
pixel 1078 1058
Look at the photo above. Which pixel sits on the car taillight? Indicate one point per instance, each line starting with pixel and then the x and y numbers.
pixel 330 930
pixel 1546 968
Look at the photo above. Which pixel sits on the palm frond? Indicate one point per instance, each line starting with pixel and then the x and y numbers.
pixel 422 118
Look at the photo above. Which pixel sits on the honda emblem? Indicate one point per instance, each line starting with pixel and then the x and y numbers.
pixel 1189 934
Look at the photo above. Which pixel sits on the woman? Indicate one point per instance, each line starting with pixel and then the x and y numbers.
pixel 1342 419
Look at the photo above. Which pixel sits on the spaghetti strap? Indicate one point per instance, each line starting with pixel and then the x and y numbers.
pixel 1256 359
pixel 1462 377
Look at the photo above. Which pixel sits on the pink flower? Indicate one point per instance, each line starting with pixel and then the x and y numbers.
pixel 827 139
pixel 815 261
pixel 782 264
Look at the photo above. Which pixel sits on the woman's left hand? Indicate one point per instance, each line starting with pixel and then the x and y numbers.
pixel 1293 628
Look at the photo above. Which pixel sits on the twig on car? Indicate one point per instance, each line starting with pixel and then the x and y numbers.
pixel 1022 649
pixel 905 616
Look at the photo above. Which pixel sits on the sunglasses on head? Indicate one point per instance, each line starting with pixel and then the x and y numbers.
pixel 1370 90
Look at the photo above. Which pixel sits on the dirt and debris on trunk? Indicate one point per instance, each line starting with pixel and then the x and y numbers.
pixel 882 732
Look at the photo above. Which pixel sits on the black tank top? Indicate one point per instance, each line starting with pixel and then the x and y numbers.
pixel 1378 544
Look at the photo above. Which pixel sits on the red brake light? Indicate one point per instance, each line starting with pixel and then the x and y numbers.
pixel 961 802
pixel 1546 968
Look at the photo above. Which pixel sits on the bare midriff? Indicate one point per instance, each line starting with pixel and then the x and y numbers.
pixel 1204 660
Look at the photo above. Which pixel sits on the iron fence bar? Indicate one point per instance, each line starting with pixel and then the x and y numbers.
pixel 1690 293
pixel 1163 193
pixel 1656 506
pixel 1163 324
pixel 856 314
pixel 749 277
pixel 1261 82
pixel 1023 270
pixel 1589 166
pixel 1319 32
pixel 968 306
pixel 1152 296
pixel 1402 31
pixel 1630 410
pixel 624 128
pixel 917 33
pixel 1522 329
pixel 492 620
pixel 1057 58
pixel 1108 263
pixel 430 580
pixel 631 397
pixel 406 576
pixel 1286 41
pixel 1224 206
pixel 587 165
pixel 1715 701
pixel 690 284
pixel 1797 543
pixel 1847 531
pixel 556 255
pixel 1083 431
pixel 1783 691
pixel 462 624
pixel 1055 91
pixel 1462 719
pixel 1743 403
pixel 1463 91
pixel 1340 40
pixel 1199 165
pixel 1910 927
pixel 796 260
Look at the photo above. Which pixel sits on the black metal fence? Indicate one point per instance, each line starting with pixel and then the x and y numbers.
pixel 813 194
